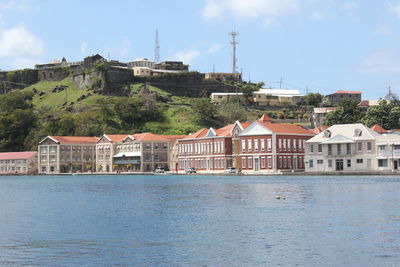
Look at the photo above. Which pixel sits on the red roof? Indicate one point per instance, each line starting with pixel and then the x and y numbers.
pixel 286 128
pixel 199 134
pixel 377 128
pixel 17 155
pixel 265 118
pixel 347 92
pixel 116 137
pixel 174 137
pixel 320 129
pixel 75 139
pixel 149 137
pixel 364 103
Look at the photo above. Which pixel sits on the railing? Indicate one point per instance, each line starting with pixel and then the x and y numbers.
pixel 126 161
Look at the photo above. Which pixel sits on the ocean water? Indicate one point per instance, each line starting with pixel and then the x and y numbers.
pixel 199 221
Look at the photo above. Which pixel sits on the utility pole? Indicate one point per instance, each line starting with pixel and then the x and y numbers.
pixel 157 49
pixel 213 68
pixel 280 83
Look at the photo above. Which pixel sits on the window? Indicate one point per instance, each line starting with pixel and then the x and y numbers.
pixel 243 162
pixel 381 148
pixel 156 158
pixel 396 147
pixel 43 150
pixel 284 144
pixel 359 146
pixel 329 163
pixel 311 163
pixel 329 149
pixel 320 161
pixel 319 148
pixel 288 145
pixel 147 146
pixel 255 144
pixel 369 146
pixel 311 146
pixel 349 163
pixel 43 158
pixel 294 144
pixel 156 146
pixel 249 145
pixel 269 144
pixel 262 145
pixel 165 146
pixel 44 169
pixel 280 162
pixel 250 162
pixel 348 149
pixel 280 144
pixel 263 162
pixel 339 149
pixel 243 145
pixel 269 162
pixel 360 161
pixel 382 162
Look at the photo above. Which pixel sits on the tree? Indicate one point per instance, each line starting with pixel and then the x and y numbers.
pixel 229 112
pixel 17 118
pixel 347 112
pixel 205 112
pixel 386 114
pixel 314 99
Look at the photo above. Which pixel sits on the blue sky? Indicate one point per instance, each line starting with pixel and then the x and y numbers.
pixel 325 45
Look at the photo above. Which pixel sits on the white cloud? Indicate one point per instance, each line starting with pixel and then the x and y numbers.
pixel 214 48
pixel 316 15
pixel 19 47
pixel 395 9
pixel 186 56
pixel 380 62
pixel 266 9
pixel 349 5
pixel 84 48
pixel 14 5
pixel 383 31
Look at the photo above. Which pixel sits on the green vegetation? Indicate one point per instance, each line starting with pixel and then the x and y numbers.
pixel 386 114
pixel 345 113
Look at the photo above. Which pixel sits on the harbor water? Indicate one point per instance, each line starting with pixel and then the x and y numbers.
pixel 165 220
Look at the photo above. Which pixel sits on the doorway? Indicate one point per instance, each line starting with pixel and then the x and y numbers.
pixel 339 165
pixel 256 164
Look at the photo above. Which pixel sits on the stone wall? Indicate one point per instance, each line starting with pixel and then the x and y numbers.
pixel 54 74
pixel 10 80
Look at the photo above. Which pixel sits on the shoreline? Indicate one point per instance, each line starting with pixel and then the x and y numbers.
pixel 358 173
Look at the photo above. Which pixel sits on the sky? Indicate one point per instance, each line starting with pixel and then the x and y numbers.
pixel 311 45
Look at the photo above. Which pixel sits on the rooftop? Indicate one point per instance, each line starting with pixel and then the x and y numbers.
pixel 75 139
pixel 347 92
pixel 17 155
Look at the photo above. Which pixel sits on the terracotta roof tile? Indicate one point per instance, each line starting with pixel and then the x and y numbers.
pixel 174 137
pixel 347 92
pixel 199 134
pixel 149 137
pixel 265 118
pixel 116 137
pixel 17 155
pixel 75 139
pixel 320 129
pixel 377 128
pixel 286 128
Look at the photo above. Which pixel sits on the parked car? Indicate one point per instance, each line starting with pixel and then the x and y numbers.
pixel 159 170
pixel 230 170
pixel 190 170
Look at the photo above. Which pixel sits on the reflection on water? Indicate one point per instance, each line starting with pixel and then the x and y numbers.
pixel 199 220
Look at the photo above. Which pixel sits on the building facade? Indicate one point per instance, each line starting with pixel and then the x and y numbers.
pixel 345 147
pixel 67 154
pixel 271 147
pixel 106 148
pixel 209 150
pixel 340 96
pixel 18 162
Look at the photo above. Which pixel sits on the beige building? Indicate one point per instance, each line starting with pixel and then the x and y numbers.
pixel 142 71
pixel 223 76
pixel 276 97
pixel 106 148
pixel 223 97
pixel 18 162
pixel 66 154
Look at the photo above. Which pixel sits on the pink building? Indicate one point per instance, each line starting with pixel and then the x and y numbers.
pixel 18 162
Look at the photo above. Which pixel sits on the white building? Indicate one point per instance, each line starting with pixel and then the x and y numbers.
pixel 141 62
pixel 344 147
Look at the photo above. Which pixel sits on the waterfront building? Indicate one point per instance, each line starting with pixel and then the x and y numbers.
pixel 344 147
pixel 270 147
pixel 209 150
pixel 106 148
pixel 66 154
pixel 388 152
pixel 18 162
pixel 144 152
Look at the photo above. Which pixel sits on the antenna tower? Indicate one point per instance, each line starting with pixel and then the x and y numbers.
pixel 157 49
pixel 234 43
